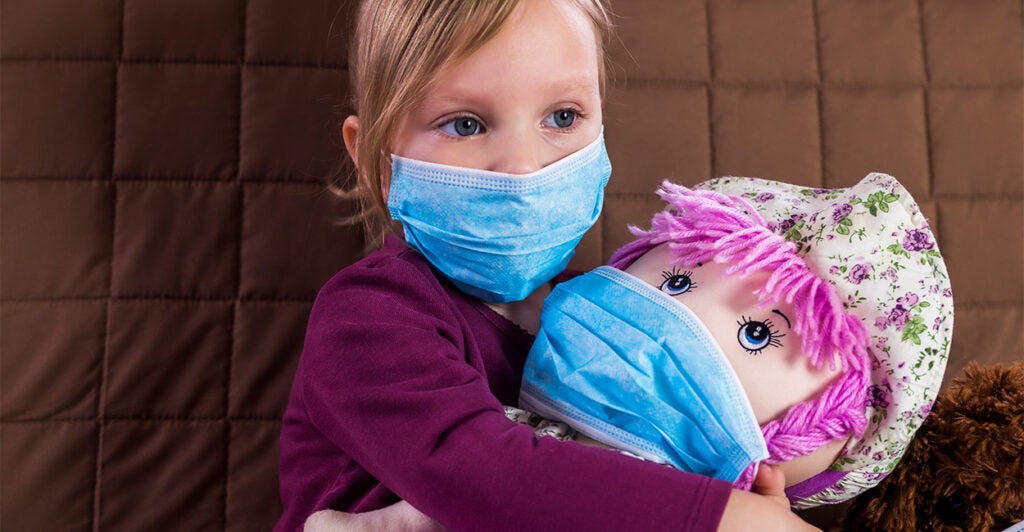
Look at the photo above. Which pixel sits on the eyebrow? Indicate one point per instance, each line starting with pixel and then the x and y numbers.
pixel 569 84
pixel 779 312
pixel 572 83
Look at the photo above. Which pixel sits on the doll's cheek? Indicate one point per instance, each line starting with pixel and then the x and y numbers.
pixel 804 467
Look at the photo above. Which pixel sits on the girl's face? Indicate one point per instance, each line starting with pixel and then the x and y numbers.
pixel 525 99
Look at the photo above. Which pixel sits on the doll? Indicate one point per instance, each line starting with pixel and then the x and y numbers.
pixel 754 322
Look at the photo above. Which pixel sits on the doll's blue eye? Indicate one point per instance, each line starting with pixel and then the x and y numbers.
pixel 464 126
pixel 676 282
pixel 756 335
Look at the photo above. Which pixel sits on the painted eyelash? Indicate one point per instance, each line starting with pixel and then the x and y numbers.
pixel 677 275
pixel 666 275
pixel 773 335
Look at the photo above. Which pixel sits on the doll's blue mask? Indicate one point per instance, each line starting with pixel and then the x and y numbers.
pixel 499 236
pixel 623 363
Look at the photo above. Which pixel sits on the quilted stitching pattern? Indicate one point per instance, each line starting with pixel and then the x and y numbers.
pixel 164 226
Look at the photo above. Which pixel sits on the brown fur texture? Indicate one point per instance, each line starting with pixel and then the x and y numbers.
pixel 964 470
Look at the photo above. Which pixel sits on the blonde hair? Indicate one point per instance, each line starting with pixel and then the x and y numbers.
pixel 398 47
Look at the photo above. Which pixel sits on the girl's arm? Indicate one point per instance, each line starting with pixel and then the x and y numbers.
pixel 388 374
pixel 740 512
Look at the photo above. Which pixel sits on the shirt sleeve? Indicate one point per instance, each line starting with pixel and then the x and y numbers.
pixel 385 378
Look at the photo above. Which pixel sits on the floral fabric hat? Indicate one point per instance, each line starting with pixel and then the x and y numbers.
pixel 873 245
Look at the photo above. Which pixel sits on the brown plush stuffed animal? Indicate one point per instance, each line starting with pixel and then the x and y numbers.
pixel 964 470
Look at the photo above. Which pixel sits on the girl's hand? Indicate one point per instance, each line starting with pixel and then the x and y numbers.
pixel 771 483
pixel 399 517
pixel 765 507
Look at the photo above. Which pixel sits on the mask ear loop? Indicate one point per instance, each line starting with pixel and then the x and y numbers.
pixel 746 480
pixel 385 184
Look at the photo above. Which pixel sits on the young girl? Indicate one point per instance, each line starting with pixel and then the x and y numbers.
pixel 479 129
pixel 722 339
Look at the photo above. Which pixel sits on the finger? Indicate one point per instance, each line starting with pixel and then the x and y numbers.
pixel 326 521
pixel 770 481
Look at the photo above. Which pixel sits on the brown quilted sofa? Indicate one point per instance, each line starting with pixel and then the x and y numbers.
pixel 164 224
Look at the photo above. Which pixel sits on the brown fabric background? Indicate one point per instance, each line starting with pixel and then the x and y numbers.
pixel 164 225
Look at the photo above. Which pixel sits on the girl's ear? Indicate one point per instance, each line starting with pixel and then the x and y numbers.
pixel 350 133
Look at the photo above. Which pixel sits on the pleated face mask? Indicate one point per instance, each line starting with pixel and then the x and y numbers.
pixel 499 236
pixel 628 366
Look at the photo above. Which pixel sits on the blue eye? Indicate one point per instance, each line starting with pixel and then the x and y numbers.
pixel 561 118
pixel 464 126
pixel 756 335
pixel 677 282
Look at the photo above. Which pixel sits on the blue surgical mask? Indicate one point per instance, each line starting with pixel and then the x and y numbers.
pixel 499 236
pixel 625 364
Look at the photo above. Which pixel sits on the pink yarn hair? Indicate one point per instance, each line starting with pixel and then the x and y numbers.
pixel 709 226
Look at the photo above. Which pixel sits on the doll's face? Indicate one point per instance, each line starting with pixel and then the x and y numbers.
pixel 759 342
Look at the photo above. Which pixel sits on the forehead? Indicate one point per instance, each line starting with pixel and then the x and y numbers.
pixel 543 44
pixel 657 265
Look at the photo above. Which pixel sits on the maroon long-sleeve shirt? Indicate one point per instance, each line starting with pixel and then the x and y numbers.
pixel 399 394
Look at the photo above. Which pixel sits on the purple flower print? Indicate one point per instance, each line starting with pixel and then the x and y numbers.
pixel 890 274
pixel 947 293
pixel 873 477
pixel 926 408
pixel 938 322
pixel 787 224
pixel 842 211
pixel 764 196
pixel 879 397
pixel 916 240
pixel 878 456
pixel 908 300
pixel 858 273
pixel 898 317
pixel 882 323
